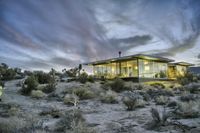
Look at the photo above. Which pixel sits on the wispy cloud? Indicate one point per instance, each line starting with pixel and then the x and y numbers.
pixel 41 34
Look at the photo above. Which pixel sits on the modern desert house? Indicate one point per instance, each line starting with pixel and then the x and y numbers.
pixel 139 67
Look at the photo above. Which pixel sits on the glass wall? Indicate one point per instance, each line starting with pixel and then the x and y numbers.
pixel 181 70
pixel 152 69
pixel 119 69
pixel 106 70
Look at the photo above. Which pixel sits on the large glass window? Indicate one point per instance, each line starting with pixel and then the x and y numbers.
pixel 181 70
pixel 152 69
pixel 122 69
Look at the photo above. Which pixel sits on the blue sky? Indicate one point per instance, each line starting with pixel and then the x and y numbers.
pixel 39 35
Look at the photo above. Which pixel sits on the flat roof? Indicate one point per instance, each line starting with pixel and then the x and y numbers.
pixel 182 64
pixel 136 56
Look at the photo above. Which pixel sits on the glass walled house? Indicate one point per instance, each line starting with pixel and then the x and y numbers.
pixel 177 69
pixel 135 67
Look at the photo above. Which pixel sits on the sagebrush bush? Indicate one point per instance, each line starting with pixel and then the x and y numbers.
pixel 30 84
pixel 186 78
pixel 157 92
pixel 161 100
pixel 84 93
pixel 91 78
pixel 188 109
pixel 1 83
pixel 118 85
pixel 49 88
pixel 54 112
pixel 71 99
pixel 189 97
pixel 83 77
pixel 172 104
pixel 133 103
pixel 44 78
pixel 109 97
pixel 193 88
pixel 159 118
pixel 37 94
pixel 106 85
pixel 69 120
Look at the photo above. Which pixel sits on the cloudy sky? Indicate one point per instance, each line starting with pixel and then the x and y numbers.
pixel 41 34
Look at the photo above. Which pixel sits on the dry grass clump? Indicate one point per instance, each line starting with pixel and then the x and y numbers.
pixel 38 94
pixel 161 100
pixel 189 109
pixel 109 97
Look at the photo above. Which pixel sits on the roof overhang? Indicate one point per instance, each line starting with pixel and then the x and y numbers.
pixel 181 64
pixel 137 56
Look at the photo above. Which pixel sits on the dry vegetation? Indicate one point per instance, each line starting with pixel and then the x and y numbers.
pixel 87 105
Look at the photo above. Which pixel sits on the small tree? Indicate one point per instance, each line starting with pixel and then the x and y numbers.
pixel 72 72
pixel 30 84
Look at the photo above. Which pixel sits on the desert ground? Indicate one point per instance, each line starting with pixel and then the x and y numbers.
pixel 98 107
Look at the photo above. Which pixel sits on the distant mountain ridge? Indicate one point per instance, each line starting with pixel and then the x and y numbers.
pixel 195 70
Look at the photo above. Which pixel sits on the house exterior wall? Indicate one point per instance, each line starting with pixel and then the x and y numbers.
pixel 176 71
pixel 152 69
pixel 136 68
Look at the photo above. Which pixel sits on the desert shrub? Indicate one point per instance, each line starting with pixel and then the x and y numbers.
pixel 118 85
pixel 83 77
pixel 37 94
pixel 157 92
pixel 49 88
pixel 84 93
pixel 1 83
pixel 109 97
pixel 81 127
pixel 9 126
pixel 139 87
pixel 193 88
pixel 188 109
pixel 186 78
pixel 159 118
pixel 172 104
pixel 132 103
pixel 44 78
pixel 31 83
pixel 158 85
pixel 70 118
pixel 106 85
pixel 8 74
pixel 8 110
pixel 73 72
pixel 161 100
pixel 54 112
pixel 71 99
pixel 187 98
pixel 91 78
